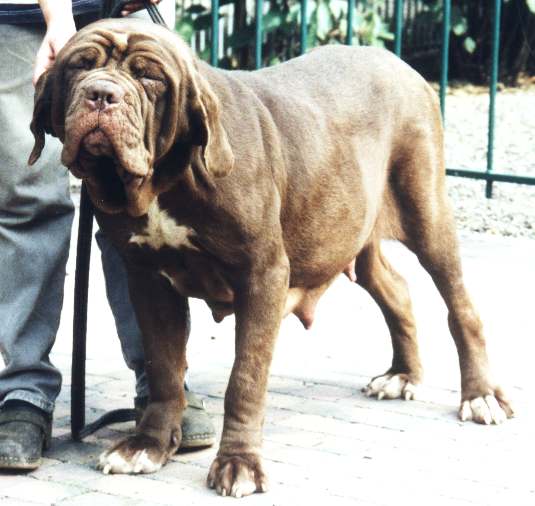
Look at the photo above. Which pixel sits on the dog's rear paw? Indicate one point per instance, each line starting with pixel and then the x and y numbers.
pixel 488 409
pixel 391 386
pixel 237 475
pixel 138 454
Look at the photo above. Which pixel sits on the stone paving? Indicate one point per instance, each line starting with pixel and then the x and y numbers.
pixel 324 441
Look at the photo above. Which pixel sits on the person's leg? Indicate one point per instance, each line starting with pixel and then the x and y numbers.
pixel 35 223
pixel 125 319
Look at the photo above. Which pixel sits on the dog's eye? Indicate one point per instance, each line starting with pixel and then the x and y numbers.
pixel 139 72
pixel 82 63
pixel 138 68
pixel 144 69
pixel 147 77
pixel 144 74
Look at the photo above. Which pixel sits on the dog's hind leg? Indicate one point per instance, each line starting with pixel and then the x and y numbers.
pixel 429 229
pixel 389 290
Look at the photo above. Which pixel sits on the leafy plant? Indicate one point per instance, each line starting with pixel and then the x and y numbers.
pixel 471 23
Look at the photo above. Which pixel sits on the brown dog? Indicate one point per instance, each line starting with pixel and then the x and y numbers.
pixel 253 191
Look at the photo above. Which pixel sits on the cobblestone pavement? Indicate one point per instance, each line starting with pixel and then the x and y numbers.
pixel 324 441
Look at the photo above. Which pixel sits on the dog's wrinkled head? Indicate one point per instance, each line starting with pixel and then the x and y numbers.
pixel 122 96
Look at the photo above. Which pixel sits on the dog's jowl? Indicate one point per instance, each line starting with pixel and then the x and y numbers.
pixel 253 191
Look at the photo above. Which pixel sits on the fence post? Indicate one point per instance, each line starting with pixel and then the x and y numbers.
pixel 398 26
pixel 350 16
pixel 304 27
pixel 446 26
pixel 258 33
pixel 492 92
pixel 214 48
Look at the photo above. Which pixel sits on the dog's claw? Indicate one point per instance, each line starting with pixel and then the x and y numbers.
pixel 391 386
pixel 237 476
pixel 486 410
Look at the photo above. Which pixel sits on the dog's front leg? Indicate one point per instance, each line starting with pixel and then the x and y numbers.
pixel 163 316
pixel 237 469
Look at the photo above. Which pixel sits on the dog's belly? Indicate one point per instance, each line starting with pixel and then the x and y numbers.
pixel 203 281
pixel 174 251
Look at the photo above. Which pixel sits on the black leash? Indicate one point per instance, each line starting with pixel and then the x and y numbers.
pixel 154 13
pixel 79 430
pixel 113 9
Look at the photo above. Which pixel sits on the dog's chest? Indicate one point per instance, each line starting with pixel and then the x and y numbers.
pixel 161 230
pixel 175 254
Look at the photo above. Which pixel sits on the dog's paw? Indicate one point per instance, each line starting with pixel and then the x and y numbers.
pixel 237 475
pixel 138 454
pixel 391 386
pixel 487 409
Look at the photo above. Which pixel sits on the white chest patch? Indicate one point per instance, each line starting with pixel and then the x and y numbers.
pixel 162 230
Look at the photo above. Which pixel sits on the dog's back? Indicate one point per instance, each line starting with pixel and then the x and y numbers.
pixel 334 125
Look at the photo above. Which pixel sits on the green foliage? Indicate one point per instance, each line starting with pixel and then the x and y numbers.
pixel 530 4
pixel 460 25
pixel 372 21
pixel 469 45
pixel 326 24
pixel 370 28
pixel 190 20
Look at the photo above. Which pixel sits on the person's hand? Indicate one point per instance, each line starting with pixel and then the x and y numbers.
pixel 135 5
pixel 57 34
pixel 59 29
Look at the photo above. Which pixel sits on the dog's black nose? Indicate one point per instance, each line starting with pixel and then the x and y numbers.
pixel 103 94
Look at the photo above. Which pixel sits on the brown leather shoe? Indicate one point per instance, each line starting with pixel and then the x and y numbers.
pixel 197 429
pixel 25 431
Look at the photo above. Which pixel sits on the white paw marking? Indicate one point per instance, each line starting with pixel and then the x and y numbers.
pixel 243 484
pixel 162 230
pixel 115 463
pixel 482 410
pixel 390 387
pixel 242 488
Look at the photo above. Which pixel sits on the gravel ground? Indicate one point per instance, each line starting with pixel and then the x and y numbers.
pixel 511 211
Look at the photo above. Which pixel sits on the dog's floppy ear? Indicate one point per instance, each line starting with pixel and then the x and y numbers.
pixel 208 130
pixel 42 115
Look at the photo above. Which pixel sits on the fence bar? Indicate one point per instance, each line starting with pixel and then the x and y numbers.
pixel 258 33
pixel 304 27
pixel 214 48
pixel 446 27
pixel 492 92
pixel 398 26
pixel 492 176
pixel 350 16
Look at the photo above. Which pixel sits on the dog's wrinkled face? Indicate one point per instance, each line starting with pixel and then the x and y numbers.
pixel 121 94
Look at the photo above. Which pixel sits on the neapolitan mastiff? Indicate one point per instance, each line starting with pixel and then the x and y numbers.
pixel 253 191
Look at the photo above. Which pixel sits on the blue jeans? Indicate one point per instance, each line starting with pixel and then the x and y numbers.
pixel 123 312
pixel 36 214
